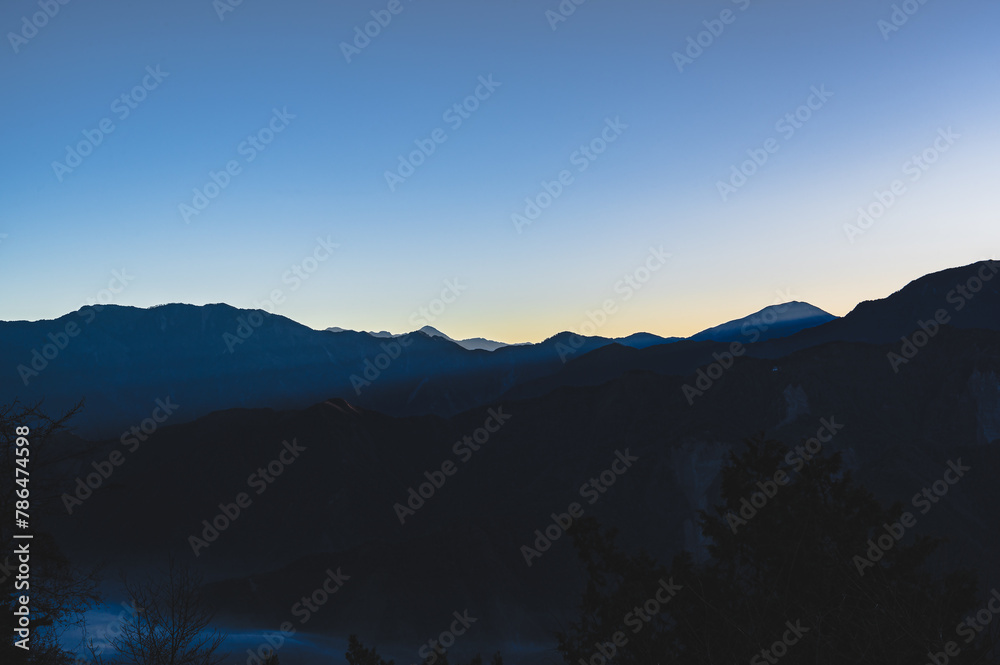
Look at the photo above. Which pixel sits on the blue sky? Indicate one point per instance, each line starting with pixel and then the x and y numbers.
pixel 780 235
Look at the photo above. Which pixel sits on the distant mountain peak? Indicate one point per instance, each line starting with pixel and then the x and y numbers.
pixel 380 334
pixel 434 332
pixel 471 344
pixel 777 320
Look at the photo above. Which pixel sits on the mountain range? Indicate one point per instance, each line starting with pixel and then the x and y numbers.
pixel 122 359
pixel 471 344
pixel 911 381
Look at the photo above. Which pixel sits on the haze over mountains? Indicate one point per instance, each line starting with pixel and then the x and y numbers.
pixel 898 423
pixel 472 344
pixel 214 357
pixel 778 320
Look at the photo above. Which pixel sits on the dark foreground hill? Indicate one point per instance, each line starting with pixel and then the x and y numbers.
pixel 333 506
pixel 635 436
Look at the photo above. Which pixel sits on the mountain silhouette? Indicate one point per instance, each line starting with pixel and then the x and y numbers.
pixel 335 505
pixel 569 408
pixel 122 359
pixel 773 321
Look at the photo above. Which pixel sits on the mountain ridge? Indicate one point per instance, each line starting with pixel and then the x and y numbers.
pixel 208 358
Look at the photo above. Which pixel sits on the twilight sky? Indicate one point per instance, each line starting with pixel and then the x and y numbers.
pixel 630 140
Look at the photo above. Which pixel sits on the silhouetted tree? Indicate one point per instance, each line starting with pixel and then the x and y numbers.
pixel 786 565
pixel 59 592
pixel 171 625
pixel 617 583
pixel 359 654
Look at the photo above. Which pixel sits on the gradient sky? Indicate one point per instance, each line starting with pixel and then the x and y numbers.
pixel 779 236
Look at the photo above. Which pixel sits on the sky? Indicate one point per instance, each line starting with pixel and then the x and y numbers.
pixel 498 169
